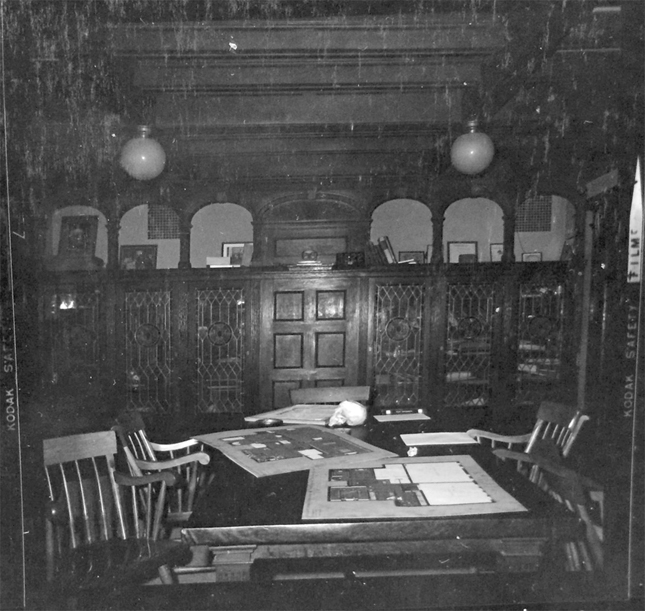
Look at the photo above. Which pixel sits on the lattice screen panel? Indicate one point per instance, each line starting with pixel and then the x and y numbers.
pixel 468 343
pixel 163 223
pixel 148 350
pixel 540 334
pixel 398 344
pixel 220 350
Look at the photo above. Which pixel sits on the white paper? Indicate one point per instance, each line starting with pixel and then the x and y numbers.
pixel 454 494
pixel 401 417
pixel 438 472
pixel 432 439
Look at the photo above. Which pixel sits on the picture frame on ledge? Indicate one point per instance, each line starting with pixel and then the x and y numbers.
pixel 78 236
pixel 235 251
pixel 138 257
pixel 531 257
pixel 462 252
pixel 496 252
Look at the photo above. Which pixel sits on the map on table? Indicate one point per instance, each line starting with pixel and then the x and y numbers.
pixel 405 488
pixel 284 449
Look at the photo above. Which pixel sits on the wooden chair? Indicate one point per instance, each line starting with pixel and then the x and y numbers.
pixel 322 395
pixel 97 533
pixel 580 494
pixel 184 459
pixel 558 422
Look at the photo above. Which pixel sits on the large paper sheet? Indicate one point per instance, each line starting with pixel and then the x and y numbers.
pixel 433 439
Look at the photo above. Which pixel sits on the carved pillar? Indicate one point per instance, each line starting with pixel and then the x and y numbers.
pixel 185 225
pixel 113 225
pixel 508 254
pixel 437 237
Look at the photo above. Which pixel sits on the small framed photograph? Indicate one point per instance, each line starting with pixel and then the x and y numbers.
pixel 412 256
pixel 138 256
pixel 235 251
pixel 496 252
pixel 462 252
pixel 531 257
pixel 78 235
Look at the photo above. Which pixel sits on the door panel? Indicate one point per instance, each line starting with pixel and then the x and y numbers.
pixel 309 336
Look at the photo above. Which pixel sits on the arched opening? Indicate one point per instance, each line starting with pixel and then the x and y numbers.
pixel 408 225
pixel 218 230
pixel 472 227
pixel 149 241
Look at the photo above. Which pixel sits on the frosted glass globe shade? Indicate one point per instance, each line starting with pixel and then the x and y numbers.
pixel 472 153
pixel 143 157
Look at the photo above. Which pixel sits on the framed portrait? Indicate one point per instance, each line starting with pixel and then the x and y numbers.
pixel 412 256
pixel 462 252
pixel 138 256
pixel 531 257
pixel 235 251
pixel 78 235
pixel 496 252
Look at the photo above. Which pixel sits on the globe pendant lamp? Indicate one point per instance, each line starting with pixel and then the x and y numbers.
pixel 473 151
pixel 143 157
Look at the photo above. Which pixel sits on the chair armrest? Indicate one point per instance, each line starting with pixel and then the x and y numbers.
pixel 171 447
pixel 141 480
pixel 160 465
pixel 476 434
pixel 595 489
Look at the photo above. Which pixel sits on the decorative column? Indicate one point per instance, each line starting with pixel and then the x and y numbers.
pixel 438 217
pixel 185 225
pixel 113 225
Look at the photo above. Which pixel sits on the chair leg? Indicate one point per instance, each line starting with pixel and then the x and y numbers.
pixel 166 575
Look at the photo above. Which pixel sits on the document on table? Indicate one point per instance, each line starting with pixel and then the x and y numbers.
pixel 401 417
pixel 434 439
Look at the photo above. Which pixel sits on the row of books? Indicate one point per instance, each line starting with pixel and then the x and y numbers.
pixel 382 252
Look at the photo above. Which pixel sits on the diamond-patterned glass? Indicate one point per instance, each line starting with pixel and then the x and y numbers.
pixel 469 315
pixel 220 350
pixel 398 344
pixel 148 350
pixel 540 332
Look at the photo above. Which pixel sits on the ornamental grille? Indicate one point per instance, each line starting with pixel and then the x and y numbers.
pixel 534 214
pixel 220 350
pixel 540 333
pixel 398 344
pixel 468 343
pixel 163 223
pixel 148 350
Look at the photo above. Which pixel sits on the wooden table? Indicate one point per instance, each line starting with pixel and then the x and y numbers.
pixel 253 526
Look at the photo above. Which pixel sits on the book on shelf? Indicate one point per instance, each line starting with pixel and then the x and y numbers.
pixel 386 247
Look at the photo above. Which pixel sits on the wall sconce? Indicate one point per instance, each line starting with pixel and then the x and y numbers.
pixel 473 151
pixel 143 157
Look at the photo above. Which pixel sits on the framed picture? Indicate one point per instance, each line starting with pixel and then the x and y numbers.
pixel 412 256
pixel 78 235
pixel 531 257
pixel 138 256
pixel 462 252
pixel 496 252
pixel 235 250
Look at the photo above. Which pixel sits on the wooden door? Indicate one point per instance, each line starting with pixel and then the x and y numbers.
pixel 309 336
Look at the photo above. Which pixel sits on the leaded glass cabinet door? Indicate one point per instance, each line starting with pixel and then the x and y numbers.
pixel 72 328
pixel 540 332
pixel 148 350
pixel 309 336
pixel 470 311
pixel 398 345
pixel 220 350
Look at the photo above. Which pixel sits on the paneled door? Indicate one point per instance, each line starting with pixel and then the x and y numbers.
pixel 309 336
